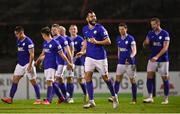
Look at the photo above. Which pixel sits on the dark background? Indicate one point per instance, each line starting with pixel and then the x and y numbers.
pixel 35 14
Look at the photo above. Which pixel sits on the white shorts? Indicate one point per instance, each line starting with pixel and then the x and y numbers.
pixel 49 74
pixel 79 71
pixel 22 70
pixel 100 65
pixel 60 71
pixel 68 73
pixel 161 67
pixel 130 70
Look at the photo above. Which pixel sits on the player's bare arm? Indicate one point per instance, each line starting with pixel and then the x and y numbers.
pixel 83 50
pixel 31 58
pixel 134 50
pixel 69 64
pixel 40 59
pixel 146 42
pixel 69 54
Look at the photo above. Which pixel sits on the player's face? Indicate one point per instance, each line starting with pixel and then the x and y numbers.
pixel 155 25
pixel 44 36
pixel 18 35
pixel 54 31
pixel 62 31
pixel 122 30
pixel 91 18
pixel 73 30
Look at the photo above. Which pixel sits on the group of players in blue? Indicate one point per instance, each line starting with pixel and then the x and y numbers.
pixel 68 56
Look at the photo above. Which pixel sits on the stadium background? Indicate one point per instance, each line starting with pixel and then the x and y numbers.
pixel 136 13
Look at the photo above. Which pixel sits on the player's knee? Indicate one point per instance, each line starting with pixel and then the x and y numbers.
pixel 150 75
pixel 165 77
pixel 33 82
pixel 49 82
pixel 16 79
pixel 105 77
pixel 119 78
pixel 132 80
pixel 69 79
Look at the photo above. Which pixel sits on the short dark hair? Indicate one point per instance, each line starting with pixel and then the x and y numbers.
pixel 46 30
pixel 89 11
pixel 55 25
pixel 123 25
pixel 19 29
pixel 157 20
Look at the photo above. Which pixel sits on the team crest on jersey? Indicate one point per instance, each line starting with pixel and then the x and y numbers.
pixel 75 43
pixel 160 37
pixel 50 46
pixel 95 32
pixel 126 42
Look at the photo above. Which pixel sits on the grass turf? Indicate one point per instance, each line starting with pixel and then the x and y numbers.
pixel 102 106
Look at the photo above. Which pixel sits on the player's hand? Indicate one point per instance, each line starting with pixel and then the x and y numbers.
pixel 127 62
pixel 93 40
pixel 154 59
pixel 29 68
pixel 79 54
pixel 70 66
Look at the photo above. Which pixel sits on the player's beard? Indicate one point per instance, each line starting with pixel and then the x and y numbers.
pixel 93 22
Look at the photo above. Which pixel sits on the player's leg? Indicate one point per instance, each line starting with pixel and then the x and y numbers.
pixel 102 67
pixel 70 85
pixel 89 68
pixel 32 77
pixel 164 72
pixel 18 74
pixel 79 73
pixel 120 70
pixel 151 69
pixel 49 75
pixel 59 78
pixel 131 72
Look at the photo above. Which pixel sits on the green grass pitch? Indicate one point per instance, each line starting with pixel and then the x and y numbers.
pixel 102 106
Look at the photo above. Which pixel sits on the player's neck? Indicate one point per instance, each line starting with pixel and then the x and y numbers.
pixel 158 30
pixel 74 36
pixel 23 37
pixel 48 39
pixel 123 36
pixel 91 26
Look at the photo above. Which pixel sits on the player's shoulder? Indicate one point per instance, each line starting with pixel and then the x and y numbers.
pixel 99 26
pixel 164 32
pixel 130 37
pixel 28 40
pixel 80 37
pixel 85 28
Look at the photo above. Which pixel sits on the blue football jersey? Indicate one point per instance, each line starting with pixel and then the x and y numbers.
pixel 157 42
pixel 23 47
pixel 124 46
pixel 51 50
pixel 99 33
pixel 77 48
pixel 70 42
pixel 63 42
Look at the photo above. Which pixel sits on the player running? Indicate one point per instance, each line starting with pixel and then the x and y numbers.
pixel 96 37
